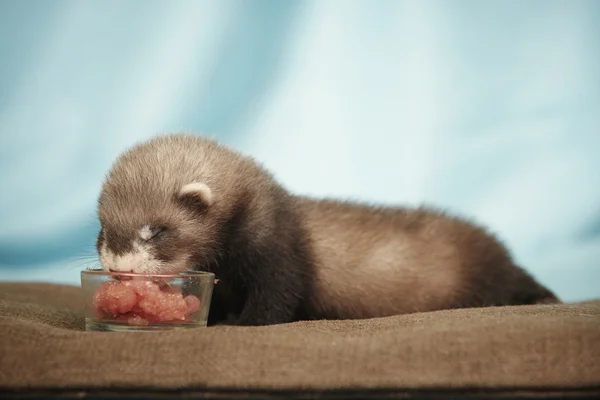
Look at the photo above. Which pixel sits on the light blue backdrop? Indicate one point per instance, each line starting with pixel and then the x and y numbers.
pixel 488 108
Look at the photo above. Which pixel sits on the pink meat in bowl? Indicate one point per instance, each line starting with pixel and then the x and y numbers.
pixel 146 302
pixel 143 302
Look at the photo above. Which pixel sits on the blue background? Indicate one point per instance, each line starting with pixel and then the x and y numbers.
pixel 487 108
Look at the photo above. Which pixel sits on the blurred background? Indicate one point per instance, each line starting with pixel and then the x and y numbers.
pixel 490 109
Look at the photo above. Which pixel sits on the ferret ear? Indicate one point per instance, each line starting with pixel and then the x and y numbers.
pixel 196 192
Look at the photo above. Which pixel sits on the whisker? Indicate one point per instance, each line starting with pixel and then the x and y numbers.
pixel 77 258
pixel 93 263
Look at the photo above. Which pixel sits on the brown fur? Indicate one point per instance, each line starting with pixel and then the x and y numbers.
pixel 288 257
pixel 378 261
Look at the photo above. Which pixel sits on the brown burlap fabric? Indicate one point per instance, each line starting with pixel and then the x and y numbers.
pixel 43 346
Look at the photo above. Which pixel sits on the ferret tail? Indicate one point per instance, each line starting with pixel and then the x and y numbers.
pixel 545 296
pixel 536 293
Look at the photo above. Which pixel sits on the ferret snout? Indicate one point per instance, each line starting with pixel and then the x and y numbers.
pixel 138 260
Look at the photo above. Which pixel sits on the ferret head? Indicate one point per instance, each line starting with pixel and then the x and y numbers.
pixel 161 207
pixel 155 230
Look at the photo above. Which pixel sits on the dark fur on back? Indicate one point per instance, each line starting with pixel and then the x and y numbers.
pixel 281 257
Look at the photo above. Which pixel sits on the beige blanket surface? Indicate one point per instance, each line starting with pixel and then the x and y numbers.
pixel 43 346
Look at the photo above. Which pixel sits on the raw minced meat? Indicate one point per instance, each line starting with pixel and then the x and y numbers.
pixel 141 302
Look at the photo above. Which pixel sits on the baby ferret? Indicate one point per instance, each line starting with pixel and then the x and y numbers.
pixel 181 201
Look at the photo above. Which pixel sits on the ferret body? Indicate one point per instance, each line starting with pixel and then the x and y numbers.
pixel 180 201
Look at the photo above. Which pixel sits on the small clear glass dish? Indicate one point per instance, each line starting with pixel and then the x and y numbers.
pixel 130 302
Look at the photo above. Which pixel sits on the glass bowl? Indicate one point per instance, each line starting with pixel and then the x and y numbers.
pixel 130 302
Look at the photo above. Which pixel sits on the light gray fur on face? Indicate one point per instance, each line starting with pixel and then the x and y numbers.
pixel 139 259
